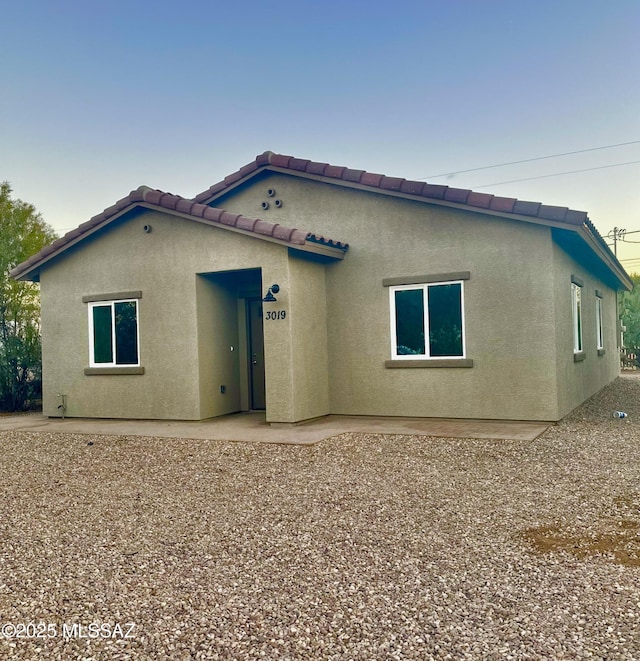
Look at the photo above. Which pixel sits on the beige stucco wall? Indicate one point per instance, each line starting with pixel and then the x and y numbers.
pixel 580 380
pixel 187 323
pixel 327 352
pixel 308 311
pixel 295 338
pixel 509 320
pixel 218 362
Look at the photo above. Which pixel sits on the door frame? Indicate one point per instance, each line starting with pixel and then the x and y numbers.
pixel 255 333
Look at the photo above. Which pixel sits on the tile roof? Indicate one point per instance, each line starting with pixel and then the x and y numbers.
pixel 504 206
pixel 157 199
pixel 199 208
pixel 418 189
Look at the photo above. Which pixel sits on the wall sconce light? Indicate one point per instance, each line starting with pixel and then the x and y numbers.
pixel 270 298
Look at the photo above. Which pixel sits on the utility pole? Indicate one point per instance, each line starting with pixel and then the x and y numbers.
pixel 616 234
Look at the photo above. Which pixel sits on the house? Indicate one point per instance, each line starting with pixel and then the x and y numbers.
pixel 396 298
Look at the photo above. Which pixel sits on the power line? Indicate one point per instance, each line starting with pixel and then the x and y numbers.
pixel 530 160
pixel 557 174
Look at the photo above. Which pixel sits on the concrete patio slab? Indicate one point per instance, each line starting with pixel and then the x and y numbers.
pixel 253 427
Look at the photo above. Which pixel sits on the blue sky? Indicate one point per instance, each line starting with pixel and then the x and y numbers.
pixel 98 98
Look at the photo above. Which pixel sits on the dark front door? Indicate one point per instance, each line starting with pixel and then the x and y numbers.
pixel 256 354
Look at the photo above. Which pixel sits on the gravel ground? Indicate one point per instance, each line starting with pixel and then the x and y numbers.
pixel 361 547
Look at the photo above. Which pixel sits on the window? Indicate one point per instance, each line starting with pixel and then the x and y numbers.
pixel 599 333
pixel 576 303
pixel 113 333
pixel 427 321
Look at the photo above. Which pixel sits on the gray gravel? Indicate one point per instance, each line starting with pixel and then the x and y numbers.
pixel 361 547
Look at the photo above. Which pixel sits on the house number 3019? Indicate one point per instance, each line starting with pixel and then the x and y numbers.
pixel 277 314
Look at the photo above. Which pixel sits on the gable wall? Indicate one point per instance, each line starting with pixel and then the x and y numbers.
pixel 509 321
pixel 163 265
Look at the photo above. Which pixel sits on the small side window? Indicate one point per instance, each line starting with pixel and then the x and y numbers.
pixel 576 302
pixel 113 333
pixel 599 331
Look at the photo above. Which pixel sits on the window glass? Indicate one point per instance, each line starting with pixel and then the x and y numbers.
pixel 114 333
pixel 410 322
pixel 445 320
pixel 576 292
pixel 600 336
pixel 126 327
pixel 102 338
pixel 426 311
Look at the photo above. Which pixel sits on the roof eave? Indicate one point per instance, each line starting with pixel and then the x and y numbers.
pixel 610 260
pixel 387 192
pixel 31 272
pixel 307 246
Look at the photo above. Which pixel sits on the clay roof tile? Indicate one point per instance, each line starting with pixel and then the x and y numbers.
pixel 334 171
pixel 459 195
pixel 248 169
pixel 482 200
pixel 391 183
pixel 280 161
pixel 185 206
pixel 210 192
pixel 316 168
pixel 371 179
pixel 412 187
pixel 264 227
pixel 244 223
pixel 232 178
pixel 502 204
pixel 298 237
pixel 435 191
pixel 213 214
pixel 526 208
pixel 282 233
pixel 110 211
pixel 576 217
pixel 138 194
pixel 230 219
pixel 169 201
pixel 352 175
pixel 153 196
pixel 298 164
pixel 552 213
pixel 263 159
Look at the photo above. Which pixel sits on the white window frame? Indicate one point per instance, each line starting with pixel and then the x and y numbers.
pixel 425 289
pixel 599 325
pixel 112 303
pixel 577 317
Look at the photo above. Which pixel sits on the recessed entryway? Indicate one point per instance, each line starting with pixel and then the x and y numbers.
pixel 231 342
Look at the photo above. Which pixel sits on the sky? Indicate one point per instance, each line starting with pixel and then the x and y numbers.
pixel 98 98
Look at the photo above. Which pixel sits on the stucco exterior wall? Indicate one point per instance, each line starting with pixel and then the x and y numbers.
pixel 580 380
pixel 174 331
pixel 509 321
pixel 218 362
pixel 327 338
pixel 308 309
